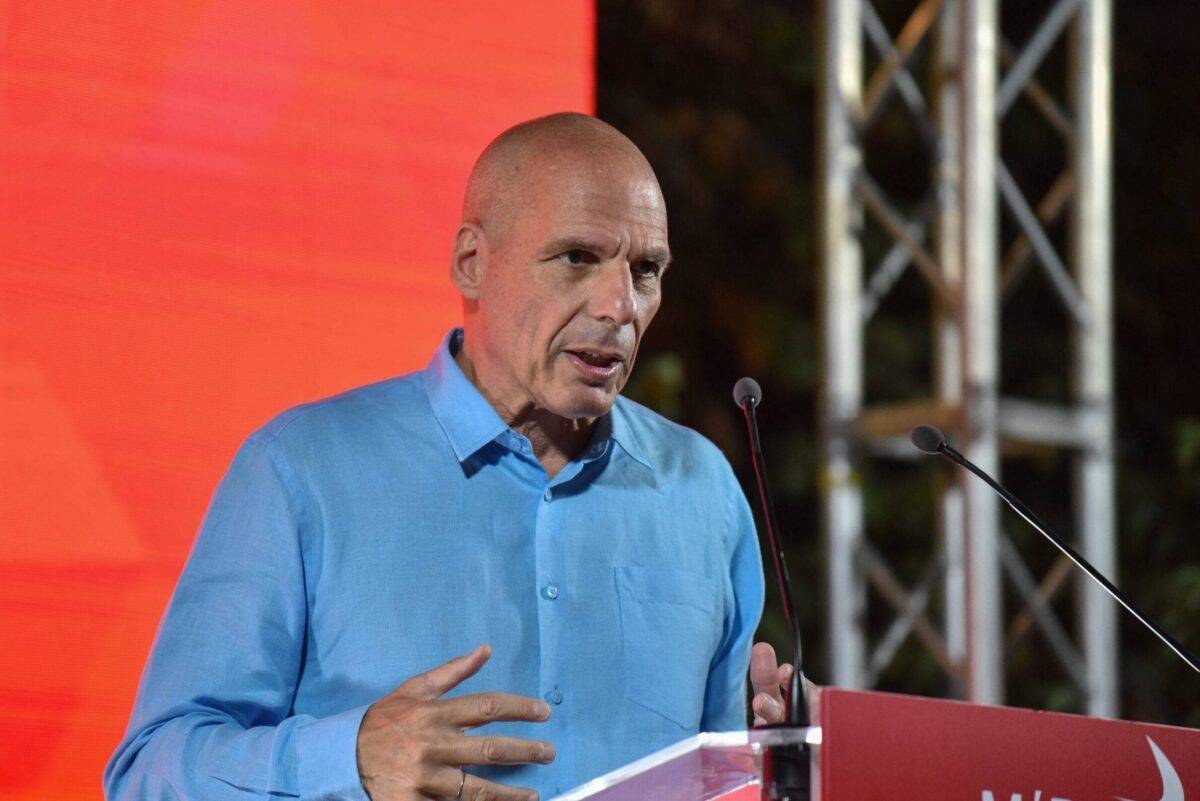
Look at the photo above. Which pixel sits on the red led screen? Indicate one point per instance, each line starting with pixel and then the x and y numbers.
pixel 209 211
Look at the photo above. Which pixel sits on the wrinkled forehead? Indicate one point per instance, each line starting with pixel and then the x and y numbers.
pixel 606 190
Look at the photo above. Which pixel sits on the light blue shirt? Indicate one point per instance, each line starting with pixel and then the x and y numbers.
pixel 365 538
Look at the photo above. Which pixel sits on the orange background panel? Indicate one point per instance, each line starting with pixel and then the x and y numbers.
pixel 209 211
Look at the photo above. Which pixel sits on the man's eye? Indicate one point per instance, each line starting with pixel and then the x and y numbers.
pixel 646 269
pixel 578 257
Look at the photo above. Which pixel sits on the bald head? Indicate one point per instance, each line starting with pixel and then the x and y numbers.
pixel 559 260
pixel 508 173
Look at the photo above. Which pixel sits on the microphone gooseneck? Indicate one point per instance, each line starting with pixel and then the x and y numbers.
pixel 748 394
pixel 786 772
pixel 930 440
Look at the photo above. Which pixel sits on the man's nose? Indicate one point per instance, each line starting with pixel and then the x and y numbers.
pixel 613 297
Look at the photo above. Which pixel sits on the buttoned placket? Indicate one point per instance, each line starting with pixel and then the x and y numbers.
pixel 552 520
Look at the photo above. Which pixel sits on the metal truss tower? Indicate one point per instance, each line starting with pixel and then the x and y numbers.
pixel 954 240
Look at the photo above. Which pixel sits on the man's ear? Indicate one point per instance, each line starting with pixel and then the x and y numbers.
pixel 469 260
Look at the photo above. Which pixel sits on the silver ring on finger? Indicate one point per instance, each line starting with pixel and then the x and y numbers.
pixel 461 785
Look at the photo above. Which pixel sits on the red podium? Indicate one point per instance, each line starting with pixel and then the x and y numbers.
pixel 869 745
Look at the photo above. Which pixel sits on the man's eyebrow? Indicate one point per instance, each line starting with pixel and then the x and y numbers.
pixel 657 255
pixel 565 243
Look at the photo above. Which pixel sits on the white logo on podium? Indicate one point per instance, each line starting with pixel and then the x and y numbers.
pixel 1172 787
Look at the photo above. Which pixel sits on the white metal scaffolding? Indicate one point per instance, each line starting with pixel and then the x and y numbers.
pixel 953 239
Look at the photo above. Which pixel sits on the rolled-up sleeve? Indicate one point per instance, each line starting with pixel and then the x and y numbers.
pixel 725 706
pixel 211 720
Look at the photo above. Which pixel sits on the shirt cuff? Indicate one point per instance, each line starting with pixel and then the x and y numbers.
pixel 327 757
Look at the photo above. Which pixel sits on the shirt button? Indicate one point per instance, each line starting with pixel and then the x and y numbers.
pixel 554 697
pixel 547 496
pixel 550 592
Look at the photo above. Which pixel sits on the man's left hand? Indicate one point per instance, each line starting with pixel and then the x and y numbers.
pixel 769 678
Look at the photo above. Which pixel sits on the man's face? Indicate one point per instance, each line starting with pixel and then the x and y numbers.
pixel 573 282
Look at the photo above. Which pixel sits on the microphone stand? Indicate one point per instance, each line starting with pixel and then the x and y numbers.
pixel 932 441
pixel 786 769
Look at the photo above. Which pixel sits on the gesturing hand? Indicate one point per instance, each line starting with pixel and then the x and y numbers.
pixel 412 745
pixel 768 678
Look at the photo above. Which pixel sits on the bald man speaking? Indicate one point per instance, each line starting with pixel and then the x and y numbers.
pixel 489 579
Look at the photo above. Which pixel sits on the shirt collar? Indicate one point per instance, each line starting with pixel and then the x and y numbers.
pixel 624 433
pixel 470 422
pixel 468 419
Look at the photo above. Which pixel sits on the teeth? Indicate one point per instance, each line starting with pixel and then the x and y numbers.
pixel 595 358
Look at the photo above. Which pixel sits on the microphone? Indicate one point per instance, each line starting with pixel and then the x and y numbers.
pixel 785 768
pixel 747 390
pixel 929 440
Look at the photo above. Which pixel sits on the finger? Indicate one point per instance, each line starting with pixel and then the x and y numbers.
pixel 477 789
pixel 446 676
pixel 767 708
pixel 480 708
pixel 489 750
pixel 785 675
pixel 442 782
pixel 445 782
pixel 764 670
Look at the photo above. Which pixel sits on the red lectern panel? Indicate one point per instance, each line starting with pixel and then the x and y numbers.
pixel 878 746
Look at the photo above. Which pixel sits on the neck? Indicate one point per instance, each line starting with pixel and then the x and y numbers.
pixel 556 440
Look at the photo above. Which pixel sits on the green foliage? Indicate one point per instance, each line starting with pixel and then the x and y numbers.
pixel 1187 445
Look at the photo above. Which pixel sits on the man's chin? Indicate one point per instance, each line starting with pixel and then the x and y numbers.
pixel 586 402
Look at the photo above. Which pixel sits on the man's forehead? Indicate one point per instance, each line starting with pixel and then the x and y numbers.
pixel 593 189
pixel 602 221
pixel 566 171
pixel 603 194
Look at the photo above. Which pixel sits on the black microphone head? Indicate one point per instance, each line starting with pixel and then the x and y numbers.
pixel 747 390
pixel 927 439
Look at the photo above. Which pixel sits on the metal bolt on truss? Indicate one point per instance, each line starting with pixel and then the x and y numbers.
pixel 952 238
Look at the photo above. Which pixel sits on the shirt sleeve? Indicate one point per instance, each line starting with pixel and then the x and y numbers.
pixel 212 717
pixel 725 700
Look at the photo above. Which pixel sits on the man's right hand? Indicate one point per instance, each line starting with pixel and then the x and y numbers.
pixel 412 743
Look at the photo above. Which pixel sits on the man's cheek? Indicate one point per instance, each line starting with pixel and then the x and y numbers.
pixel 648 310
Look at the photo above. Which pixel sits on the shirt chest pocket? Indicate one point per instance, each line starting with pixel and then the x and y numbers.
pixel 670 627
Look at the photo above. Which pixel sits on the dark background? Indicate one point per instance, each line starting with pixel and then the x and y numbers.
pixel 720 96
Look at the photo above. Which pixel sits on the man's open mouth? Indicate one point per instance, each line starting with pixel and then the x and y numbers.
pixel 595 364
pixel 596 359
